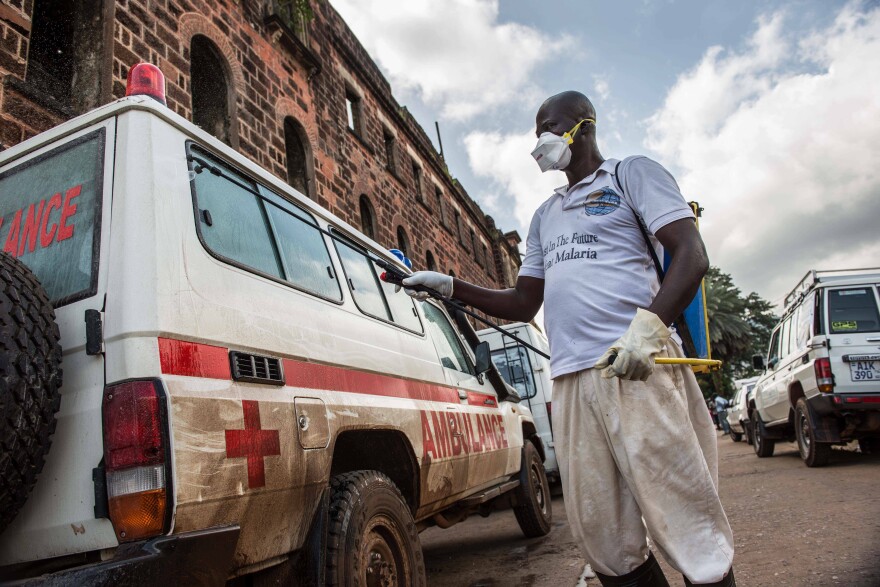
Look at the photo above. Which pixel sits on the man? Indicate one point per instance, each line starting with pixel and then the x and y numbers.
pixel 633 439
pixel 721 405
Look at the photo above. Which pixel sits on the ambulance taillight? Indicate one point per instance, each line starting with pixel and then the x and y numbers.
pixel 135 445
pixel 145 79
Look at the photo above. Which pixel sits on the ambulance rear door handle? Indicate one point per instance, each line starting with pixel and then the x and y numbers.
pixel 873 339
pixel 462 394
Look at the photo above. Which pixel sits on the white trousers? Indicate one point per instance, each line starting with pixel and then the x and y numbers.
pixel 641 456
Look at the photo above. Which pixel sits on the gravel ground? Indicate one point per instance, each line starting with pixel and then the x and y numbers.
pixel 793 526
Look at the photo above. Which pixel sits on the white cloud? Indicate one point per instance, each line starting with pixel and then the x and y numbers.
pixel 505 160
pixel 454 54
pixel 780 142
pixel 600 84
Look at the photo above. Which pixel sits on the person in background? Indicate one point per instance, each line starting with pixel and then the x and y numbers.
pixel 607 318
pixel 721 405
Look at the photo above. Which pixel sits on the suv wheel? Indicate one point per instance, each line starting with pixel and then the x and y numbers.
pixel 736 436
pixel 763 446
pixel 372 539
pixel 533 512
pixel 814 454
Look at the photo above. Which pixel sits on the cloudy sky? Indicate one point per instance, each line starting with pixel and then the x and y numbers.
pixel 767 112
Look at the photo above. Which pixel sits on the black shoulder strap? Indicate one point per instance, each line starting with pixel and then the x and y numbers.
pixel 680 323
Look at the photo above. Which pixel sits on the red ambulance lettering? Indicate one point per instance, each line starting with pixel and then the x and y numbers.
pixel 504 442
pixel 441 434
pixel 429 451
pixel 11 245
pixel 64 231
pixel 31 228
pixel 46 237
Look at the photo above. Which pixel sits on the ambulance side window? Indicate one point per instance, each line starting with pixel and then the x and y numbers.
pixel 373 296
pixel 516 369
pixel 233 221
pixel 452 354
pixel 304 256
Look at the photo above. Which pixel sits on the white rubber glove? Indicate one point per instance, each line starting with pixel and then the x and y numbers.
pixel 645 337
pixel 437 281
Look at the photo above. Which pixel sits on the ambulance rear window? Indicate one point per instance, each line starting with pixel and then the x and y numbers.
pixel 50 211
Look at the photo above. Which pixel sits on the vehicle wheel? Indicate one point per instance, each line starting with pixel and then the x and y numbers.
pixel 749 433
pixel 372 540
pixel 534 511
pixel 814 454
pixel 763 446
pixel 30 377
pixel 735 436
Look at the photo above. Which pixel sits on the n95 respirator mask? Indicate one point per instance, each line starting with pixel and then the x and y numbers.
pixel 552 151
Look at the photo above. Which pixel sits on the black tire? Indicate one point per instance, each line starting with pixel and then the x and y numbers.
pixel 30 378
pixel 814 454
pixel 533 511
pixel 750 434
pixel 736 436
pixel 763 446
pixel 372 538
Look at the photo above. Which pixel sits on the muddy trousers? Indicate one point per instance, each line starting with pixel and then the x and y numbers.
pixel 637 459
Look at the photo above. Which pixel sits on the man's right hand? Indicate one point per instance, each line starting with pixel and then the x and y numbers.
pixel 436 281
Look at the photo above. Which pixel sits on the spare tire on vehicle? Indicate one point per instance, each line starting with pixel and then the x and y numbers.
pixel 30 379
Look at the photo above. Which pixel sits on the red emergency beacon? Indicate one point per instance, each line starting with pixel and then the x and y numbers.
pixel 145 79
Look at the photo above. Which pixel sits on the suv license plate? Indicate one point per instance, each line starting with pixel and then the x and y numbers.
pixel 865 370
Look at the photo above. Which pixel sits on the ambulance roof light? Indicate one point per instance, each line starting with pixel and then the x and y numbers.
pixel 145 79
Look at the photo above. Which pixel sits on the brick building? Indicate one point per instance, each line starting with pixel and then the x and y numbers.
pixel 285 82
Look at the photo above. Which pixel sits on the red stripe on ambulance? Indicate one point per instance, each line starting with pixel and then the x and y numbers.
pixel 191 359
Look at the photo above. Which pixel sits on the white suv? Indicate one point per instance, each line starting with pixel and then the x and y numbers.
pixel 821 379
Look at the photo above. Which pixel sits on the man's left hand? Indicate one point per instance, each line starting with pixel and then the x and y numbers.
pixel 636 349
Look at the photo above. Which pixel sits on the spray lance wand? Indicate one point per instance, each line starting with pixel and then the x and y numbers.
pixel 395 276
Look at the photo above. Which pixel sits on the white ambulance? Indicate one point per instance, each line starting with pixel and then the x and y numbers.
pixel 529 373
pixel 239 393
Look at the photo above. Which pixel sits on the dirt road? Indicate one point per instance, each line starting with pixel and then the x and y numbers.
pixel 793 526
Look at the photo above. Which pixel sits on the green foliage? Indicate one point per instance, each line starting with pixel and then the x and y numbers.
pixel 739 327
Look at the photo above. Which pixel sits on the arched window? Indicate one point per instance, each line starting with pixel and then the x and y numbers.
pixel 452 272
pixel 296 147
pixel 368 218
pixel 430 263
pixel 66 51
pixel 402 241
pixel 211 100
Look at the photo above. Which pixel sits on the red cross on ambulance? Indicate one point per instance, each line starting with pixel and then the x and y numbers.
pixel 253 443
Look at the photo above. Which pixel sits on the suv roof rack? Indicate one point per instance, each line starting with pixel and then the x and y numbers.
pixel 816 276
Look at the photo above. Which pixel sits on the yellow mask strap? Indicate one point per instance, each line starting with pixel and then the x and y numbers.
pixel 569 136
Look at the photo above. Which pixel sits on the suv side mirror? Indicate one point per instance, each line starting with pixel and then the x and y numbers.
pixel 483 357
pixel 758 362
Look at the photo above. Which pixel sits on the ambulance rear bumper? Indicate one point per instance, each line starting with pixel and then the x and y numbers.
pixel 192 558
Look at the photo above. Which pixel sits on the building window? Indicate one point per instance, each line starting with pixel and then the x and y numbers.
pixel 402 241
pixel 390 149
pixel 297 151
pixel 368 218
pixel 417 181
pixel 210 89
pixel 441 211
pixel 66 52
pixel 489 262
pixel 430 263
pixel 452 273
pixel 354 110
pixel 459 229
pixel 476 248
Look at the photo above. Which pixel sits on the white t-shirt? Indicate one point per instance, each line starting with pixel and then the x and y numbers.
pixel 585 243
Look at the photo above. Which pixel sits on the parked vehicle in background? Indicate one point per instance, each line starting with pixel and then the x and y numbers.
pixel 242 396
pixel 821 379
pixel 737 414
pixel 529 373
